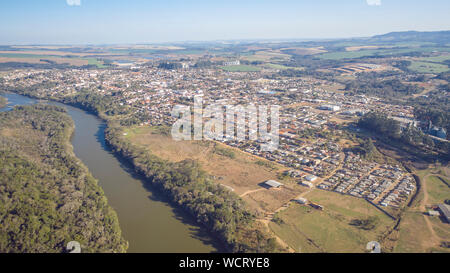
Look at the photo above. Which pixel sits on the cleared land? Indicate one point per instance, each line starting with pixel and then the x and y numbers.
pixel 418 231
pixel 306 229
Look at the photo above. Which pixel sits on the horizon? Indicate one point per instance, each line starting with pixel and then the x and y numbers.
pixel 269 40
pixel 101 22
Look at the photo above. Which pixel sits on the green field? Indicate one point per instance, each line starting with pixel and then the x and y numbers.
pixel 438 191
pixel 94 61
pixel 413 233
pixel 281 67
pixel 310 230
pixel 437 59
pixel 91 61
pixel 25 55
pixel 241 68
pixel 427 67
pixel 372 52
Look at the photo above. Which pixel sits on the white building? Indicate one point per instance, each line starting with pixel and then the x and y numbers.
pixel 311 178
pixel 237 62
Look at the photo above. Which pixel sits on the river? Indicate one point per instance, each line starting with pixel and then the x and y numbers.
pixel 148 222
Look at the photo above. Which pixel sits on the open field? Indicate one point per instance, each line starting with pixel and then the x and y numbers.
pixel 266 56
pixel 304 51
pixel 20 60
pixel 358 48
pixel 373 52
pixel 312 230
pixel 53 53
pixel 437 59
pixel 38 58
pixel 438 191
pixel 418 231
pixel 230 167
pixel 33 60
pixel 414 236
pixel 241 68
pixel 428 67
pixel 281 67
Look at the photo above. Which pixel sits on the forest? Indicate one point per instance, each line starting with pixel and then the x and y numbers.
pixel 410 137
pixel 370 84
pixel 48 197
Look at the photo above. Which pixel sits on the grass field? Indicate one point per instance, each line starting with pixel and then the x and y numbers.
pixel 428 67
pixel 329 230
pixel 414 235
pixel 281 67
pixel 372 52
pixel 420 232
pixel 303 51
pixel 437 59
pixel 438 191
pixel 266 56
pixel 312 230
pixel 231 167
pixel 60 59
pixel 241 68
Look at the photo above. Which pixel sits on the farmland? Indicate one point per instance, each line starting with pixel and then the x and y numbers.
pixel 266 56
pixel 241 68
pixel 374 52
pixel 39 57
pixel 280 67
pixel 428 67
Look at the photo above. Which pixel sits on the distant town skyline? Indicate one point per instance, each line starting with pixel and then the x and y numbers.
pixel 140 21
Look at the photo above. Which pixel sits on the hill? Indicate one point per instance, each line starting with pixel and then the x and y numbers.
pixel 440 37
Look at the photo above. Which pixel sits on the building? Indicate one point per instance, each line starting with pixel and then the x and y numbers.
pixel 328 107
pixel 316 206
pixel 311 178
pixel 434 213
pixel 437 131
pixel 236 62
pixel 445 211
pixel 301 201
pixel 307 184
pixel 273 184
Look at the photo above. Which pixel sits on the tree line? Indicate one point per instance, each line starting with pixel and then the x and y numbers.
pixel 48 197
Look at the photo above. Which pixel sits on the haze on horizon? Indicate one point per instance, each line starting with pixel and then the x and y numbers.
pixel 157 21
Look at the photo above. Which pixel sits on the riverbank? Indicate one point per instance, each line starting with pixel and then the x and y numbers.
pixel 64 202
pixel 223 213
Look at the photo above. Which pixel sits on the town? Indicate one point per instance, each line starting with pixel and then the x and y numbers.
pixel 152 92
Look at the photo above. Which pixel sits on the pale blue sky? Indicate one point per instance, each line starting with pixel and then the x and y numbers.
pixel 152 21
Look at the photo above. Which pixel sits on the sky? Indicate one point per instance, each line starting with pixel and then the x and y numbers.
pixel 158 21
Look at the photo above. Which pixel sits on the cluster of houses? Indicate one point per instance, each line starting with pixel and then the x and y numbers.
pixel 400 194
pixel 383 184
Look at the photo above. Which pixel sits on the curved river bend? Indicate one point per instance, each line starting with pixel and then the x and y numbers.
pixel 148 222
